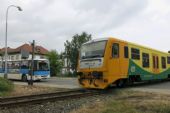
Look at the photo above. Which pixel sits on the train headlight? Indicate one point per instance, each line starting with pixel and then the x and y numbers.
pixel 97 74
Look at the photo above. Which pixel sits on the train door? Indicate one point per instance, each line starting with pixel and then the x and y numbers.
pixel 124 59
pixel 155 59
pixel 115 61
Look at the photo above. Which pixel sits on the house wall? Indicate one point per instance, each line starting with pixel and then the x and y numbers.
pixel 66 67
pixel 18 57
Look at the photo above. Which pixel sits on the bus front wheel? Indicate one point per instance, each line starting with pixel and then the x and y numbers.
pixel 24 78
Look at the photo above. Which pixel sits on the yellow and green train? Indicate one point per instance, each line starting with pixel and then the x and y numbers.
pixel 108 61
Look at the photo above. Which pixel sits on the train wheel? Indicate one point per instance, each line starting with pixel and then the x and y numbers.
pixel 130 81
pixel 120 83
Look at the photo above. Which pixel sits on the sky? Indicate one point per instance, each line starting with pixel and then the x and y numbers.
pixel 51 22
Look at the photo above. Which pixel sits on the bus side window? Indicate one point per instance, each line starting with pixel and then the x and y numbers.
pixel 24 65
pixel 115 50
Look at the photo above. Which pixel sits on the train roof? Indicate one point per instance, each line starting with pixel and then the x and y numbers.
pixel 113 38
pixel 96 40
pixel 141 46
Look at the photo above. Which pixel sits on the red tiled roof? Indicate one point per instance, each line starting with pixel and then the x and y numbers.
pixel 3 50
pixel 26 47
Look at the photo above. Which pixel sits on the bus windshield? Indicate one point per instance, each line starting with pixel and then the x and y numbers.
pixel 43 65
pixel 92 50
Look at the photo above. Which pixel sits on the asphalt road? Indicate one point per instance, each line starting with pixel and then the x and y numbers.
pixel 71 83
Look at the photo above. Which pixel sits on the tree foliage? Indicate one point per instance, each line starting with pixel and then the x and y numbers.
pixel 72 49
pixel 55 63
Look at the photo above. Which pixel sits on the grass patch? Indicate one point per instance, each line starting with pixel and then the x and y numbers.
pixel 127 101
pixel 21 90
pixel 5 86
pixel 118 107
pixel 137 102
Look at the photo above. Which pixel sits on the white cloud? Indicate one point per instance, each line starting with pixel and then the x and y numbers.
pixel 52 22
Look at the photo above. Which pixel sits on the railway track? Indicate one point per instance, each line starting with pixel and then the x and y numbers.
pixel 47 97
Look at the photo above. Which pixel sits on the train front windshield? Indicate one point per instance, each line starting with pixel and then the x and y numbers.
pixel 93 50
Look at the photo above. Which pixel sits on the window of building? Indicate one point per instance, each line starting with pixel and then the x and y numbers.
pixel 12 57
pixel 126 52
pixel 145 59
pixel 42 56
pixel 135 53
pixel 163 62
pixel 115 50
pixel 17 57
pixel 168 59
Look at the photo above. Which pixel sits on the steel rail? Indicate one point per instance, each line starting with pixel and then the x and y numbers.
pixel 48 97
pixel 37 95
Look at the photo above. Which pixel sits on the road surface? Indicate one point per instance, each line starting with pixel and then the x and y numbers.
pixel 71 83
pixel 59 82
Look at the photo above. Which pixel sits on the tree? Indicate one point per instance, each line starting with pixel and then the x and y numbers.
pixel 72 49
pixel 55 63
pixel 67 53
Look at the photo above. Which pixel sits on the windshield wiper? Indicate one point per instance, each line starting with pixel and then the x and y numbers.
pixel 92 56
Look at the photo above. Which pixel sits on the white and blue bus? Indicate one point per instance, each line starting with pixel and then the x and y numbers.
pixel 21 69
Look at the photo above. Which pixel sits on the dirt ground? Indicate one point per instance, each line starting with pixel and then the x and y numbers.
pixel 114 101
pixel 20 90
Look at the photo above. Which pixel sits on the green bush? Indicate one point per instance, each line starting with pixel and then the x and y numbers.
pixel 5 85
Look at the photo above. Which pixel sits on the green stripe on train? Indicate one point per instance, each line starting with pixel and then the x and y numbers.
pixel 134 69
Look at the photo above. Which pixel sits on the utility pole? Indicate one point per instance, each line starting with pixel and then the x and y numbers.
pixel 30 82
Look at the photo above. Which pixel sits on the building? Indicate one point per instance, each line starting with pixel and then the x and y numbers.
pixel 24 52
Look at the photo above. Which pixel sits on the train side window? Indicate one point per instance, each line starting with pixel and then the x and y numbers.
pixel 115 50
pixel 157 60
pixel 163 62
pixel 154 62
pixel 145 59
pixel 126 52
pixel 135 53
pixel 168 59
